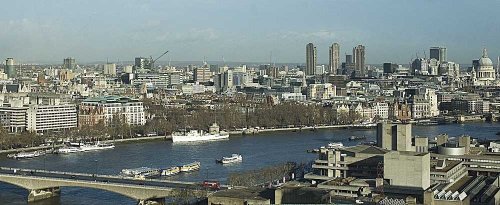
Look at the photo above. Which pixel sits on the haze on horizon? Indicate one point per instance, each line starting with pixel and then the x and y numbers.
pixel 246 30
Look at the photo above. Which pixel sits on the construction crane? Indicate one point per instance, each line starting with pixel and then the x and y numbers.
pixel 152 63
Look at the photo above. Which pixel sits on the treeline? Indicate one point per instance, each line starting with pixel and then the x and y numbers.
pixel 265 175
pixel 234 116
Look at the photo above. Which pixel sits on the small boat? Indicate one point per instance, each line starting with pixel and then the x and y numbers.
pixel 23 155
pixel 232 159
pixel 354 138
pixel 335 145
pixel 170 171
pixel 190 167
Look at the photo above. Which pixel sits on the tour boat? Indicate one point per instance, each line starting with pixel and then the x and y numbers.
pixel 232 159
pixel 66 150
pixel 200 135
pixel 190 167
pixel 170 171
pixel 96 146
pixel 354 138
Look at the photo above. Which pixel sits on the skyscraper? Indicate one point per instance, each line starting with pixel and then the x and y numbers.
pixel 311 59
pixel 141 64
pixel 10 70
pixel 334 58
pixel 438 53
pixel 69 63
pixel 358 53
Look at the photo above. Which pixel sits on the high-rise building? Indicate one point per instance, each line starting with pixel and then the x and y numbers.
pixel 69 63
pixel 202 74
pixel 358 53
pixel 10 70
pixel 334 58
pixel 438 53
pixel 311 59
pixel 109 69
pixel 395 137
pixel 141 64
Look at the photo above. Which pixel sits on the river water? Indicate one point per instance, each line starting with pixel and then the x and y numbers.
pixel 258 151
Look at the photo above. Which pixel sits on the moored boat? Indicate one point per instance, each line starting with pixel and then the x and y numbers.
pixel 170 171
pixel 200 135
pixel 335 145
pixel 354 138
pixel 190 167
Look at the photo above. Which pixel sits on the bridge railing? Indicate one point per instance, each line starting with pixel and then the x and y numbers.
pixel 98 175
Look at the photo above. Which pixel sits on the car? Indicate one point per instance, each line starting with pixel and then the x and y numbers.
pixel 215 185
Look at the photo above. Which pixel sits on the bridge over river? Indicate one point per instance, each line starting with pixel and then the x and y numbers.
pixel 44 184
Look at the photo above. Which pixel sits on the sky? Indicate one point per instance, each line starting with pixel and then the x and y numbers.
pixel 246 30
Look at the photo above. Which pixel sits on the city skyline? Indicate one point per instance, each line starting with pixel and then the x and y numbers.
pixel 244 31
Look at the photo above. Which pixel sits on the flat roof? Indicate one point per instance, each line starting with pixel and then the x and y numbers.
pixel 450 164
pixel 110 99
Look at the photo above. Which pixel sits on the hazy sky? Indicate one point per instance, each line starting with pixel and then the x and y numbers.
pixel 246 30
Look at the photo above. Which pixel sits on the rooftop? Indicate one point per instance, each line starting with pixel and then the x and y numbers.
pixel 110 99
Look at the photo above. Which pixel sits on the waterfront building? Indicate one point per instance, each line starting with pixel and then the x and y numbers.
pixel 10 69
pixel 407 169
pixel 395 137
pixel 13 114
pixel 311 59
pixel 104 109
pixel 334 60
pixel 52 116
pixel 69 63
pixel 358 54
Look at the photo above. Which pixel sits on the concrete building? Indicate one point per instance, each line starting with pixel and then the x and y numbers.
pixel 52 116
pixel 223 82
pixel 13 114
pixel 446 171
pixel 438 53
pixel 407 169
pixel 358 54
pixel 311 59
pixel 104 109
pixel 109 69
pixel 334 60
pixel 320 91
pixel 142 64
pixel 359 161
pixel 10 69
pixel 394 136
pixel 202 75
pixel 69 63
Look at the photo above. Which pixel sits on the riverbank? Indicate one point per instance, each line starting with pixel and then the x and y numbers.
pixel 294 129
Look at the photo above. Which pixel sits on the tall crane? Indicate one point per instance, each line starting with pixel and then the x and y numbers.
pixel 152 63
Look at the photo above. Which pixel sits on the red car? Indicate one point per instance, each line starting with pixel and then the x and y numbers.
pixel 211 184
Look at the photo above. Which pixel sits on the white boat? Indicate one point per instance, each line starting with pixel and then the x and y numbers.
pixel 232 159
pixel 144 171
pixel 96 146
pixel 170 171
pixel 195 136
pixel 190 167
pixel 200 135
pixel 66 150
pixel 24 155
pixel 335 145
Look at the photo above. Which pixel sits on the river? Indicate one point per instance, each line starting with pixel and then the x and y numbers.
pixel 258 151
